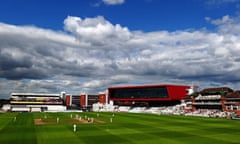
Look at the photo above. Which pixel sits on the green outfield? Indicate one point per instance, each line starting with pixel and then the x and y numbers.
pixel 125 128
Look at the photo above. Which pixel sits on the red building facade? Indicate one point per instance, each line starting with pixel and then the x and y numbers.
pixel 152 95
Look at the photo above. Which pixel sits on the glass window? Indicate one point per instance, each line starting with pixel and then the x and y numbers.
pixel 153 92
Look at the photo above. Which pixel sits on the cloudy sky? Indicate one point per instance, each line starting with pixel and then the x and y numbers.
pixel 89 45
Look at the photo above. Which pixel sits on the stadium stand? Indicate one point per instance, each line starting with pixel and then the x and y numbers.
pixel 37 102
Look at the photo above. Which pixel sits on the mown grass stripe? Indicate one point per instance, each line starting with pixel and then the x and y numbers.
pixel 126 128
pixel 20 131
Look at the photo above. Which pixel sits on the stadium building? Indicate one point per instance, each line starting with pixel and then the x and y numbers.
pixel 33 102
pixel 84 101
pixel 148 95
pixel 219 99
pixel 125 98
pixel 37 102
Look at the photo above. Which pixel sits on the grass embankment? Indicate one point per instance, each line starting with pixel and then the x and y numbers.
pixel 125 128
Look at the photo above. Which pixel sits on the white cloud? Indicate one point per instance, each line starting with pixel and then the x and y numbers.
pixel 113 2
pixel 227 24
pixel 225 19
pixel 96 31
pixel 95 54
